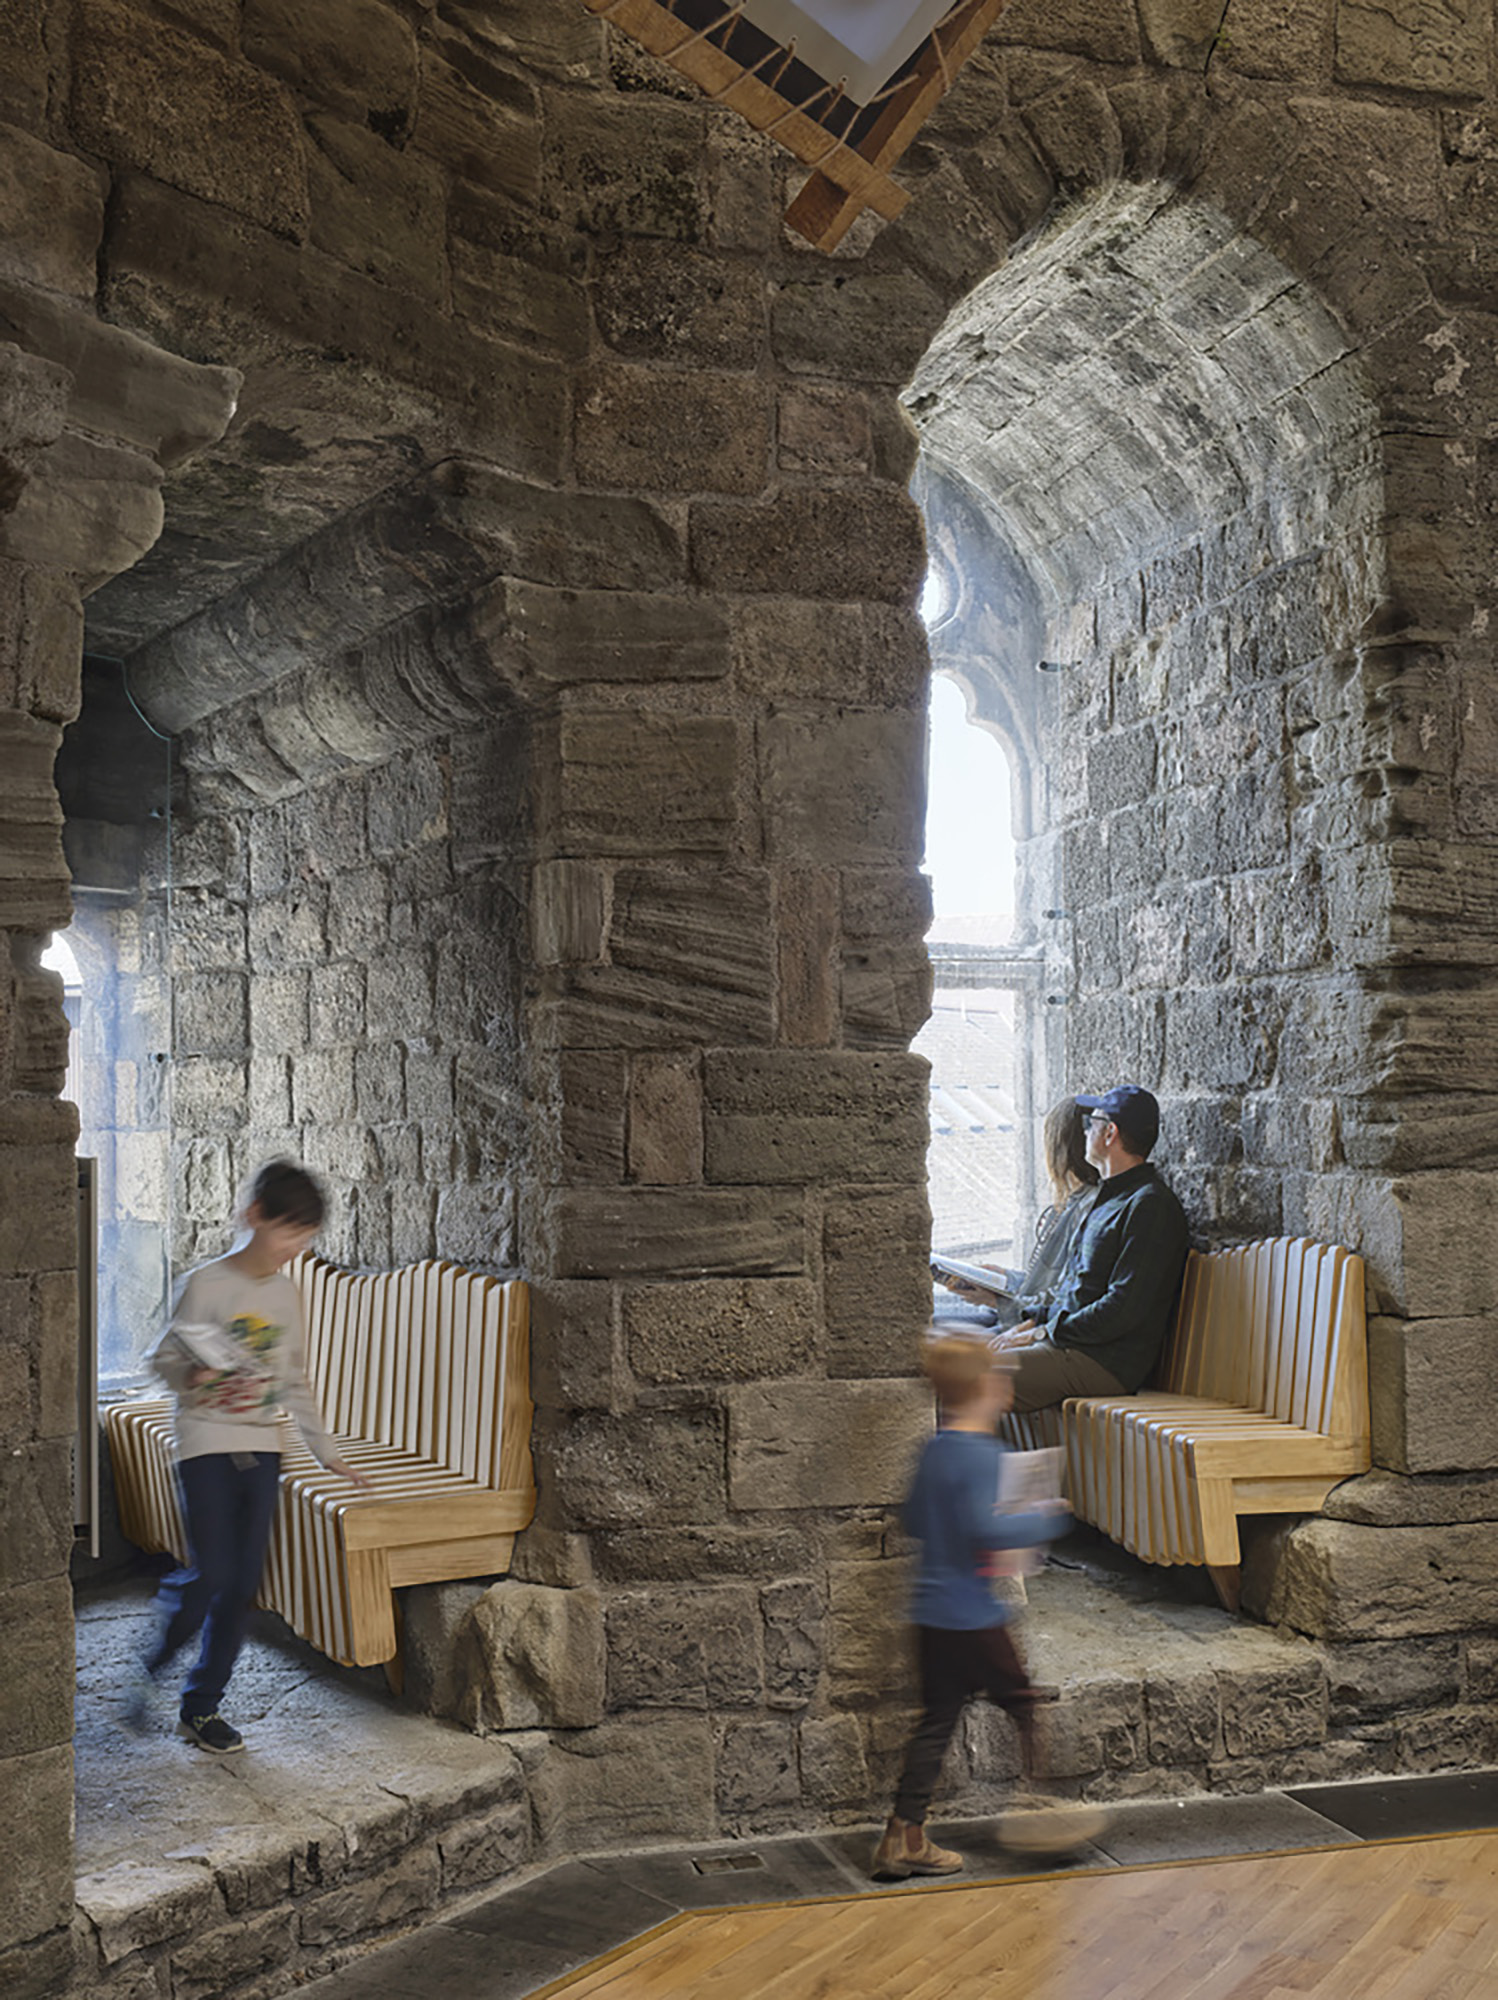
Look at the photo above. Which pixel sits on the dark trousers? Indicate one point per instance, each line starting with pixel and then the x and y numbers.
pixel 228 1503
pixel 955 1666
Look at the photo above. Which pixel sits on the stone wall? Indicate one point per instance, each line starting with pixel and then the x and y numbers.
pixel 545 429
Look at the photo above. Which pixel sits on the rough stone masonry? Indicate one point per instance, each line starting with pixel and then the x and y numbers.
pixel 512 529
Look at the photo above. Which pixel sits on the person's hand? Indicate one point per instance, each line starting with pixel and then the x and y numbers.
pixel 351 1473
pixel 1024 1335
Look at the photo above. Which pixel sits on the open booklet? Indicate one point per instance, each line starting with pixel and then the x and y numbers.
pixel 214 1347
pixel 1027 1480
pixel 995 1285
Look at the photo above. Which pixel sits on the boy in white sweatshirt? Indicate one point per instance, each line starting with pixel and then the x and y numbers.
pixel 235 1356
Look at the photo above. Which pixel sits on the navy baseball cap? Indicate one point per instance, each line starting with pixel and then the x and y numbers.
pixel 1133 1110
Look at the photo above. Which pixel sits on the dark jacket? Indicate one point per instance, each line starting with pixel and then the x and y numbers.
pixel 1120 1286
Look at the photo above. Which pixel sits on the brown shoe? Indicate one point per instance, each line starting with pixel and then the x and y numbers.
pixel 905 1850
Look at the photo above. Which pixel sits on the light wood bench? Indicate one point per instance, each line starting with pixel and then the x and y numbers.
pixel 423 1376
pixel 1260 1406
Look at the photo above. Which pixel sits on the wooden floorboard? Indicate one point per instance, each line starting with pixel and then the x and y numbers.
pixel 1397 1920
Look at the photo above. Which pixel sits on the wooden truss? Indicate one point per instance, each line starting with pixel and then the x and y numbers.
pixel 850 148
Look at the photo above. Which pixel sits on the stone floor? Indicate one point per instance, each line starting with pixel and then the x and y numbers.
pixel 337 1767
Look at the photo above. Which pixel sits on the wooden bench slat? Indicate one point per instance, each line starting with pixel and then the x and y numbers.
pixel 1261 1405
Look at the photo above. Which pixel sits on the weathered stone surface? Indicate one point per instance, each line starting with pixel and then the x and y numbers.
pixel 794 1642
pixel 593 1114
pixel 394 1896
pixel 434 1617
pixel 221 129
pixel 1430 1406
pixel 655 1468
pixel 685 1649
pixel 482 1850
pixel 479 117
pixel 839 543
pixel 35 1642
pixel 866 1603
pixel 665 1121
pixel 705 1555
pixel 790 647
pixel 1413 45
pixel 875 1246
pixel 720 1331
pixel 758 1773
pixel 1381 1499
pixel 51 217
pixel 376 210
pixel 136 1904
pixel 533 1658
pixel 1267 1712
pixel 823 1444
pixel 834 1770
pixel 1105 1732
pixel 35 1488
pixel 612 172
pixel 806 909
pixel 871 328
pixel 1381 1676
pixel 1183 1720
pixel 660 301
pixel 1339 1580
pixel 563 636
pixel 234 1951
pixel 568 912
pixel 576 1363
pixel 785 1116
pixel 688 1233
pixel 618 1784
pixel 673 431
pixel 842 789
pixel 36 1844
pixel 631 783
pixel 360 56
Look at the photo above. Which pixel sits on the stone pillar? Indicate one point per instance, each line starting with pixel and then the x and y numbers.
pixel 88 417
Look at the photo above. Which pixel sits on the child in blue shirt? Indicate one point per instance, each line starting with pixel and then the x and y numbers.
pixel 964 1648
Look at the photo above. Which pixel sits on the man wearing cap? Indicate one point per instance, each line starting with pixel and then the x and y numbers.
pixel 1112 1308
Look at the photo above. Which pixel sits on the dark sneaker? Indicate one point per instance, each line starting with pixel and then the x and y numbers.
pixel 211 1733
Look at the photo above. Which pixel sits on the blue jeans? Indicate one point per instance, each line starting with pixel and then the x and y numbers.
pixel 228 1507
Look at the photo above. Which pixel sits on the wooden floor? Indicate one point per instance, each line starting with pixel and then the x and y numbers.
pixel 1408 1920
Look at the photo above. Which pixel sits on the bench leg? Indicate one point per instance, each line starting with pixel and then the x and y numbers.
pixel 1227 1582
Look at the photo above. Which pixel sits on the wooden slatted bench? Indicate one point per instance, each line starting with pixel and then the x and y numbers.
pixel 1260 1406
pixel 423 1376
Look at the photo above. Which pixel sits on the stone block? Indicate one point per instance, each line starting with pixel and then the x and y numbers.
pixel 834 1769
pixel 533 1658
pixel 1342 1581
pixel 868 327
pixel 253 1946
pixel 867 1603
pixel 408 804
pixel 794 1642
pixel 219 128
pixel 1105 1731
pixel 783 1116
pixel 51 217
pixel 659 301
pixel 568 904
pixel 804 650
pixel 481 1851
pixel 34 887
pixel 1273 1710
pixel 689 1648
pixel 628 166
pixel 594 1105
pixel 36 1649
pixel 36 1494
pixel 477 118
pixel 632 782
pixel 1380 1677
pixel 823 1444
pixel 674 431
pixel 43 1967
pixel 722 1330
pixel 823 429
pixel 759 1775
pixel 627 1782
pixel 394 1896
pixel 849 542
pixel 211 1014
pixel 378 211
pixel 877 1285
pixel 690 964
pixel 575 1350
pixel 1183 1719
pixel 1429 1391
pixel 807 996
pixel 358 54
pixel 663 1233
pixel 554 637
pixel 842 788
pixel 701 1555
pixel 1382 1499
pixel 665 1120
pixel 1407 45
pixel 136 1904
pixel 656 1468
